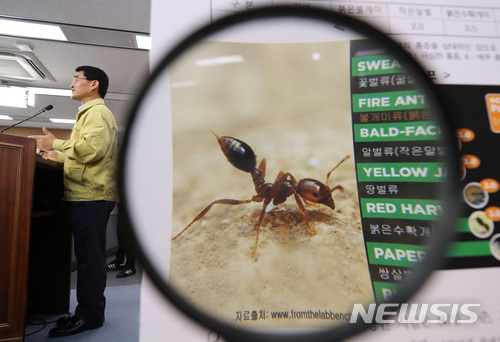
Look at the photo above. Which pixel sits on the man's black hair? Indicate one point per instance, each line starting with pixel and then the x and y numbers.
pixel 96 74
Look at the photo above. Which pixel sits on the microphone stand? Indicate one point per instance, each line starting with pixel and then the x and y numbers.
pixel 49 107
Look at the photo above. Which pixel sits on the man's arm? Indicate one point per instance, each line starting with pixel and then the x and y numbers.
pixel 93 142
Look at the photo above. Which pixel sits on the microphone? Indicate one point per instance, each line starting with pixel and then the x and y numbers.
pixel 49 107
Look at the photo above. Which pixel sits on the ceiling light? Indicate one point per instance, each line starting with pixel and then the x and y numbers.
pixel 183 84
pixel 50 91
pixel 66 121
pixel 29 29
pixel 5 117
pixel 30 98
pixel 219 60
pixel 143 42
pixel 13 97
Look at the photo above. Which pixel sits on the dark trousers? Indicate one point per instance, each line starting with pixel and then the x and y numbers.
pixel 125 250
pixel 88 221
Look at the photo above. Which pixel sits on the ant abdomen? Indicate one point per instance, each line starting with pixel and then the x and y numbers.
pixel 238 153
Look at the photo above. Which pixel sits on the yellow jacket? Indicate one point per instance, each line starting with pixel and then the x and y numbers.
pixel 90 155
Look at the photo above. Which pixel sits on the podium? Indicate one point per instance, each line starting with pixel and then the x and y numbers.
pixel 35 246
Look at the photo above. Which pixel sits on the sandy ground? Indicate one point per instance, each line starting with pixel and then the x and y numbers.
pixel 294 112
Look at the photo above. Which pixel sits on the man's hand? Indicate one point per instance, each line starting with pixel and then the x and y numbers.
pixel 52 155
pixel 44 142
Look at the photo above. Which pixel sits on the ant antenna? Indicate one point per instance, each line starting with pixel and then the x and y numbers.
pixel 214 134
pixel 328 175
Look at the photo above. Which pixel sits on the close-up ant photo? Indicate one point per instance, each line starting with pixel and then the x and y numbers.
pixel 241 156
pixel 277 211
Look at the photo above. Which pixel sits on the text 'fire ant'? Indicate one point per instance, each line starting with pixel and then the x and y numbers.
pixel 242 157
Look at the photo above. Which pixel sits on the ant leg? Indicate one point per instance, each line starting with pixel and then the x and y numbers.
pixel 281 175
pixel 262 167
pixel 304 212
pixel 292 178
pixel 261 218
pixel 221 201
pixel 328 174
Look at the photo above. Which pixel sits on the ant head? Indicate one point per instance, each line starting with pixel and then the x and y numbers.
pixel 238 153
pixel 315 191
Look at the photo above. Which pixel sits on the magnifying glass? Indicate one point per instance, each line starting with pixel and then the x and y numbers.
pixel 285 171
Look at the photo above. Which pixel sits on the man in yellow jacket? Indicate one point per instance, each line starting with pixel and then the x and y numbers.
pixel 90 162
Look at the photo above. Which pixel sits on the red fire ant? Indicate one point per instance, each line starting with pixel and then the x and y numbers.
pixel 242 157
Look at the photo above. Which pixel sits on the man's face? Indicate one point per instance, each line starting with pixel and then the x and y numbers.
pixel 81 87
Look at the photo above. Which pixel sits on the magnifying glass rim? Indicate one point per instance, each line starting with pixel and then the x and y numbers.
pixel 435 249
